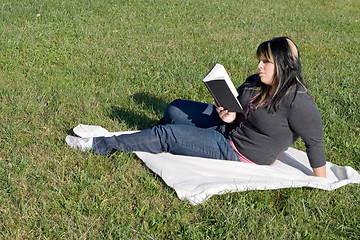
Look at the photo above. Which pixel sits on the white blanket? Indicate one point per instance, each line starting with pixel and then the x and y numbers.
pixel 197 179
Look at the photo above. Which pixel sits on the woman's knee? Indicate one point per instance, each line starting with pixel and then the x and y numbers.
pixel 175 103
pixel 172 111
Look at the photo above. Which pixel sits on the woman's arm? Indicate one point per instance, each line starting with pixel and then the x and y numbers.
pixel 320 171
pixel 305 121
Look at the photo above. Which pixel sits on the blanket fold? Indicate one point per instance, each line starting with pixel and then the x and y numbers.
pixel 197 179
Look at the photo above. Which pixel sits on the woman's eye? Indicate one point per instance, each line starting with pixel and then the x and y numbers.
pixel 264 61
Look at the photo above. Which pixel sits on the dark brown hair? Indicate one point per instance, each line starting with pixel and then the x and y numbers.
pixel 284 54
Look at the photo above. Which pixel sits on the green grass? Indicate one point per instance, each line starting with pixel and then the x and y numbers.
pixel 117 64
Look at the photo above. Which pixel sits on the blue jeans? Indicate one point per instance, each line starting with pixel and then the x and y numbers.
pixel 192 113
pixel 187 128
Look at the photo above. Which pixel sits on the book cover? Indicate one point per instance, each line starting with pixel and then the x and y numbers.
pixel 222 89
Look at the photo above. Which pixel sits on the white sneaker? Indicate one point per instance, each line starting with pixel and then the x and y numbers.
pixel 83 144
pixel 86 131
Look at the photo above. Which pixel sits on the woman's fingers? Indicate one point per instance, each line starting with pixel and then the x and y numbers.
pixel 214 102
pixel 220 109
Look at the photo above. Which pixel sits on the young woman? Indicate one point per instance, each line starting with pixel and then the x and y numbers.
pixel 277 110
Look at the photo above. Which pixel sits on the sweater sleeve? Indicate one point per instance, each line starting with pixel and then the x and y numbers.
pixel 305 120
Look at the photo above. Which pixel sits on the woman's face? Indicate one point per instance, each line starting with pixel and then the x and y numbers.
pixel 266 71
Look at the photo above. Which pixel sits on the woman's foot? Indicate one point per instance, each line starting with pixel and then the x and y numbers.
pixel 83 144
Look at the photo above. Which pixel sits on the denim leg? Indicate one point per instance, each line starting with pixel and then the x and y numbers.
pixel 144 140
pixel 177 139
pixel 187 112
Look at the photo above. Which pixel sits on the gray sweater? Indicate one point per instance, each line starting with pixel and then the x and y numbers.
pixel 261 136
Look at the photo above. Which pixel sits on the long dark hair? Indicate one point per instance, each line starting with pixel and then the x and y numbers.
pixel 285 55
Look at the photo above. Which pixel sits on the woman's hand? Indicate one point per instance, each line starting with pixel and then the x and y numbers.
pixel 225 115
pixel 320 171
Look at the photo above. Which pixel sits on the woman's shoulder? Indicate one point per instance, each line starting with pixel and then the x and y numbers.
pixel 250 82
pixel 253 79
pixel 300 98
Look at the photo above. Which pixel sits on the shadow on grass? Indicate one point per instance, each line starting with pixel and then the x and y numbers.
pixel 137 120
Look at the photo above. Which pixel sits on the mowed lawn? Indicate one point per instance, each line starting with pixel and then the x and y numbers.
pixel 117 64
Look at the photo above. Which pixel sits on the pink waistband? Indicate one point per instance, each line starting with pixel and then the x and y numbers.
pixel 242 157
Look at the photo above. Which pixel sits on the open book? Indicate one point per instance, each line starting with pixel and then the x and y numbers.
pixel 222 89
